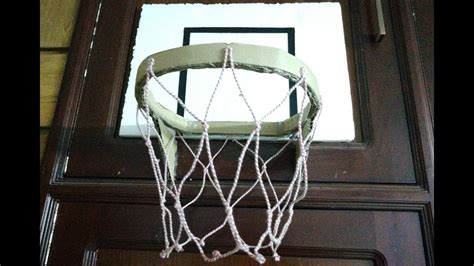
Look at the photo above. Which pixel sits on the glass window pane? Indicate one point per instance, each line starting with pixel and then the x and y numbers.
pixel 315 35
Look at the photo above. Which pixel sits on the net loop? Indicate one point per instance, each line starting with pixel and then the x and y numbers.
pixel 279 209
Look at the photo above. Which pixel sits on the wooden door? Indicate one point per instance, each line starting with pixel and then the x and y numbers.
pixel 370 201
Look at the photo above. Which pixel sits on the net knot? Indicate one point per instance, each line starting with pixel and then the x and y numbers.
pixel 148 142
pixel 244 247
pixel 302 72
pixel 260 259
pixel 163 254
pixel 179 248
pixel 228 210
pixel 277 241
pixel 151 63
pixel 216 254
pixel 276 257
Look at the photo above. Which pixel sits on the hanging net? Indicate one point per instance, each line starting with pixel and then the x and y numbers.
pixel 167 129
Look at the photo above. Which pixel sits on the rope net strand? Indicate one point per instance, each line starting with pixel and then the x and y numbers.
pixel 279 208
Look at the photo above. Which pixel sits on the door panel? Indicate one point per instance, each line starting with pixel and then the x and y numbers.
pixel 369 202
pixel 381 154
pixel 146 258
pixel 385 237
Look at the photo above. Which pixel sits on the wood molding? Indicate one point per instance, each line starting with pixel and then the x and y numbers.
pixel 69 95
pixel 415 92
pixel 303 252
pixel 47 227
pixel 103 230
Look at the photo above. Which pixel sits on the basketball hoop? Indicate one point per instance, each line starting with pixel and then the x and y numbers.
pixel 171 128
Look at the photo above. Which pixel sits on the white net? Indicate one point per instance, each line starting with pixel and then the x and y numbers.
pixel 279 208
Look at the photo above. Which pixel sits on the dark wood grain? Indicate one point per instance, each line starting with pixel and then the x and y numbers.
pixel 381 236
pixel 424 23
pixel 145 258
